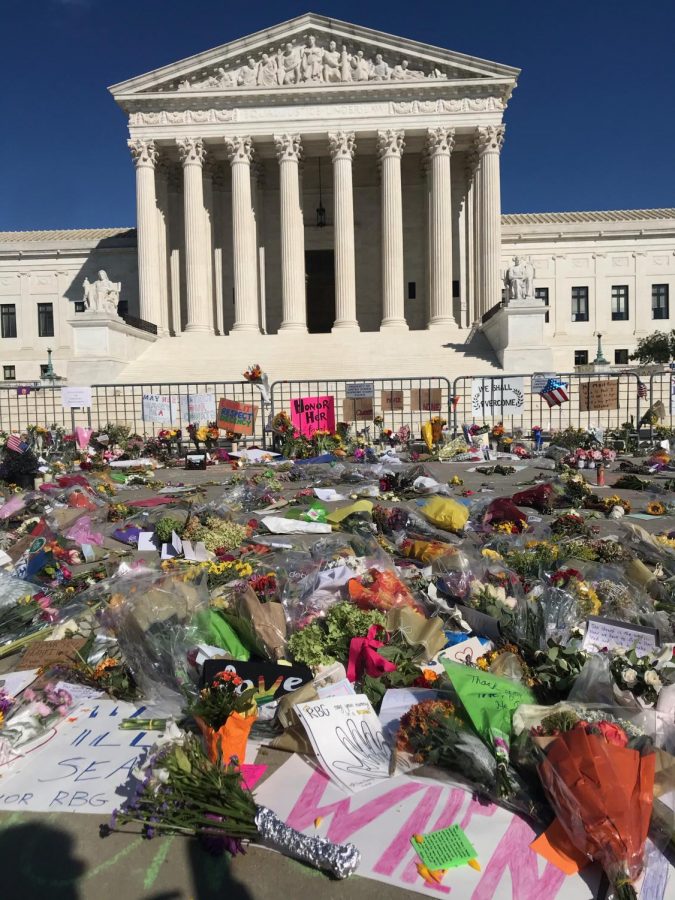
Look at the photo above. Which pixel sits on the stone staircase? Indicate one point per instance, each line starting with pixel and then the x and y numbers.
pixel 288 356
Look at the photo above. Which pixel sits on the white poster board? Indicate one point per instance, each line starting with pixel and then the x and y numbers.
pixel 161 408
pixel 498 397
pixel 198 409
pixel 74 397
pixel 381 820
pixel 85 766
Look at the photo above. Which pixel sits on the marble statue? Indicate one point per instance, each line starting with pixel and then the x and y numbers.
pixel 310 63
pixel 519 280
pixel 102 295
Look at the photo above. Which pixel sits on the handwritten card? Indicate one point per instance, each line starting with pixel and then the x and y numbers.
pixel 347 737
pixel 444 849
pixel 610 633
pixel 49 653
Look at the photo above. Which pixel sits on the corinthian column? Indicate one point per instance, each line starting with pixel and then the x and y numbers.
pixel 342 145
pixel 192 155
pixel 489 140
pixel 240 154
pixel 390 149
pixel 145 155
pixel 440 142
pixel 289 152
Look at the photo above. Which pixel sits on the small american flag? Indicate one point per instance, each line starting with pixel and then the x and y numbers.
pixel 15 443
pixel 642 390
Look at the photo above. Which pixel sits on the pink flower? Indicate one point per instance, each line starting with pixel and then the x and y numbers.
pixel 62 710
pixel 597 455
pixel 29 694
pixel 41 709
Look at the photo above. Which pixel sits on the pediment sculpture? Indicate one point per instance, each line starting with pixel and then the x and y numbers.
pixel 310 63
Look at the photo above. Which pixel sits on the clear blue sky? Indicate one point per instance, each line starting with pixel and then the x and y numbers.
pixel 591 125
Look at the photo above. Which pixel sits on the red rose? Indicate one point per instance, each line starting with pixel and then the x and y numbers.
pixel 613 734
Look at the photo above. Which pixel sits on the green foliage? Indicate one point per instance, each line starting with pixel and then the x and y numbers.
pixel 556 669
pixel 327 640
pixel 658 347
pixel 165 527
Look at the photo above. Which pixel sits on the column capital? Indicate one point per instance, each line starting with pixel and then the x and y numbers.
pixel 239 149
pixel 342 144
pixel 390 143
pixel 289 147
pixel 143 153
pixel 489 139
pixel 440 141
pixel 191 151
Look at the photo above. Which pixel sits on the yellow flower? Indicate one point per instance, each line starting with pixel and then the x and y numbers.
pixel 491 554
pixel 655 508
pixel 482 663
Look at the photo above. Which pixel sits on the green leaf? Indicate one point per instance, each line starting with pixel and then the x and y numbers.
pixel 182 760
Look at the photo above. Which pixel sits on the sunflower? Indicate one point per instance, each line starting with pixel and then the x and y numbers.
pixel 655 508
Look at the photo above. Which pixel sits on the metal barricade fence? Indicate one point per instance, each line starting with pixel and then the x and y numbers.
pixel 122 404
pixel 516 401
pixel 36 404
pixel 400 401
pixel 661 390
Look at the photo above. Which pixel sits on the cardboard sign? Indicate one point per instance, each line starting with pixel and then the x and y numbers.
pixel 502 397
pixel 75 397
pixel 611 633
pixel 236 417
pixel 310 414
pixel 49 653
pixel 381 819
pixel 392 401
pixel 198 408
pixel 161 408
pixel 426 399
pixel 360 410
pixel 356 389
pixel 597 395
pixel 270 680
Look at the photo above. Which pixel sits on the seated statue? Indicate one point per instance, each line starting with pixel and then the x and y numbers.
pixel 102 295
pixel 519 280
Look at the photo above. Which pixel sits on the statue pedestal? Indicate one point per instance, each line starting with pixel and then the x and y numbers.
pixel 103 344
pixel 516 334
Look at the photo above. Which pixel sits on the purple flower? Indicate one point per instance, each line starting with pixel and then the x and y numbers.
pixel 149 832
pixel 217 842
pixel 113 819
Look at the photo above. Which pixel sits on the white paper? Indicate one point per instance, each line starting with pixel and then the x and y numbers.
pixel 86 765
pixel 464 652
pixel 13 683
pixel 198 553
pixel 5 558
pixel 505 396
pixel 342 688
pixel 198 408
pixel 175 548
pixel 347 738
pixel 278 525
pixel 88 552
pixel 74 397
pixel 132 463
pixel 253 455
pixel 328 495
pixel 79 692
pixel 396 703
pixel 380 820
pixel 146 541
pixel 601 633
pixel 356 389
pixel 162 408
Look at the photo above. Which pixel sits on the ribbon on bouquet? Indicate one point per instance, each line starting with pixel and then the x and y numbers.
pixel 363 656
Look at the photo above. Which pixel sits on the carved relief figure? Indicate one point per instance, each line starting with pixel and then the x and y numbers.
pixel 310 63
pixel 103 295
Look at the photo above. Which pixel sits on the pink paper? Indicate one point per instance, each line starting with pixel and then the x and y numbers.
pixel 13 505
pixel 82 436
pixel 310 414
pixel 251 774
pixel 82 533
pixel 151 501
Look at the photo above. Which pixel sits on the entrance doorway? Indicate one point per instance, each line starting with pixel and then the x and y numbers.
pixel 320 275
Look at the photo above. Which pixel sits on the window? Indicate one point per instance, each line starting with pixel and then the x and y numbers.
pixel 660 302
pixel 621 357
pixel 79 306
pixel 46 320
pixel 620 303
pixel 412 290
pixel 455 288
pixel 542 294
pixel 44 368
pixel 580 304
pixel 581 357
pixel 9 373
pixel 8 319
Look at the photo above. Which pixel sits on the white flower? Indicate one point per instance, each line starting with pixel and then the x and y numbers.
pixel 509 602
pixel 162 775
pixel 619 651
pixel 629 677
pixel 652 679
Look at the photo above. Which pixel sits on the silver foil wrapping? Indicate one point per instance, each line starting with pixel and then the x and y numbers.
pixel 340 860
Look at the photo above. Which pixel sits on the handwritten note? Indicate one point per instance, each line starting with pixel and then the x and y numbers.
pixel 236 417
pixel 198 408
pixel 444 849
pixel 160 408
pixel 347 737
pixel 426 399
pixel 310 414
pixel 392 401
pixel 358 410
pixel 609 633
pixel 597 395
pixel 49 653
pixel 75 397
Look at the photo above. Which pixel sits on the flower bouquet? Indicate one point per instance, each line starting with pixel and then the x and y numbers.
pixel 256 376
pixel 225 716
pixel 30 717
pixel 382 590
pixel 183 792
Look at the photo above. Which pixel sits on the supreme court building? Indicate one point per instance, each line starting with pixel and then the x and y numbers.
pixel 324 199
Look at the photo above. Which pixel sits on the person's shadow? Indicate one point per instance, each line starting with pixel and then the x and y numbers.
pixel 38 861
pixel 212 876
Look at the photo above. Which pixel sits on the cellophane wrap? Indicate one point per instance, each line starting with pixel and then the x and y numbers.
pixel 340 860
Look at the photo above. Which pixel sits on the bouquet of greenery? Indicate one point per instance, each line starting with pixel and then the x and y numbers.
pixel 216 702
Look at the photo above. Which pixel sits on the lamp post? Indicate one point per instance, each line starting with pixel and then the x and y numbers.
pixel 599 357
pixel 50 375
